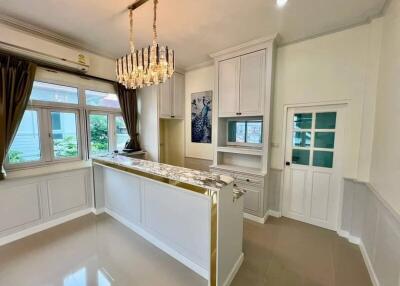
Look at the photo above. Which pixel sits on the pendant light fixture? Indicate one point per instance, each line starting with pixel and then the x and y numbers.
pixel 147 66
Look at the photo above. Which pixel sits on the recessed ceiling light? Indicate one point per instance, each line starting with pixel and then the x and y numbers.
pixel 281 3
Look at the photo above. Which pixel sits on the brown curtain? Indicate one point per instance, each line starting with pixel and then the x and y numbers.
pixel 16 81
pixel 128 102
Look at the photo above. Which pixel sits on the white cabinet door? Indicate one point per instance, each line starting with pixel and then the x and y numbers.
pixel 178 102
pixel 165 98
pixel 228 87
pixel 252 84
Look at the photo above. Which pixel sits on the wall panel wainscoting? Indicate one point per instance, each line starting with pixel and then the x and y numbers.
pixel 30 205
pixel 369 221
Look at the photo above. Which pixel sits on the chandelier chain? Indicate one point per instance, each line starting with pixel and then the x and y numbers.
pixel 131 35
pixel 155 23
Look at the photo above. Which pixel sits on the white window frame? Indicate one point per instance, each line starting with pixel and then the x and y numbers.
pixel 82 111
pixel 112 136
pixel 78 135
pixel 244 144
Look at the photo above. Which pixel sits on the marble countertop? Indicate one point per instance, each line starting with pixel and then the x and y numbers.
pixel 207 180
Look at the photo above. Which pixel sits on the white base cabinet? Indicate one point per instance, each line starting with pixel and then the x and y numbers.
pixel 255 186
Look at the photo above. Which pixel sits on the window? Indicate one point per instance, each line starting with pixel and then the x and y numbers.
pixel 52 128
pixel 54 93
pixel 26 145
pixel 314 139
pixel 64 134
pixel 245 132
pixel 95 98
pixel 98 125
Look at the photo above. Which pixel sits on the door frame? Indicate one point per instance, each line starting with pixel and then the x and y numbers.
pixel 341 104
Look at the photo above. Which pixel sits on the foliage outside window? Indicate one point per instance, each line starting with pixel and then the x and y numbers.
pixel 98 134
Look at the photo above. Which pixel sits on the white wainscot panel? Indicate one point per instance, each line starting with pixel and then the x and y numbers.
pixel 387 252
pixel 67 192
pixel 19 206
pixel 123 194
pixel 181 218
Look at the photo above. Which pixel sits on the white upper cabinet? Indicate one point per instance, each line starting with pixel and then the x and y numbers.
pixel 165 99
pixel 228 85
pixel 178 106
pixel 252 83
pixel 241 85
pixel 172 97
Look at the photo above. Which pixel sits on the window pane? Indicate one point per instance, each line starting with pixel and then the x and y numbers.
pixel 323 159
pixel 54 93
pixel 121 132
pixel 301 139
pixel 96 98
pixel 254 132
pixel 237 131
pixel 98 124
pixel 26 144
pixel 326 120
pixel 245 131
pixel 64 133
pixel 301 157
pixel 302 120
pixel 324 139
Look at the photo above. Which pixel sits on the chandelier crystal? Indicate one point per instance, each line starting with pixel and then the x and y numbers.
pixel 149 66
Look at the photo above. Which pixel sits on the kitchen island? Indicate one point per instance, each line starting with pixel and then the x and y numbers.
pixel 194 216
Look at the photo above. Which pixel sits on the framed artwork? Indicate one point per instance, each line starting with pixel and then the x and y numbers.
pixel 201 103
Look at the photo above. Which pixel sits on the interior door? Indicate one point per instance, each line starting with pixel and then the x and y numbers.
pixel 313 165
pixel 228 87
pixel 252 84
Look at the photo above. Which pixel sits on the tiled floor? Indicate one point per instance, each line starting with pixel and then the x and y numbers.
pixel 286 252
pixel 99 251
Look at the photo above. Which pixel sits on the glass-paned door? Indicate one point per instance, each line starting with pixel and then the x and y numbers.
pixel 311 183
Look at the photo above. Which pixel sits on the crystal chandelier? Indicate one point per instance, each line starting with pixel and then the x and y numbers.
pixel 148 66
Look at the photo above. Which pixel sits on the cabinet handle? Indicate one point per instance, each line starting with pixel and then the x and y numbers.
pixel 172 116
pixel 247 180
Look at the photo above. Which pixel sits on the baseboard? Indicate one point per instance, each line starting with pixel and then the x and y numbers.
pixel 234 270
pixel 351 238
pixel 43 226
pixel 369 265
pixel 161 245
pixel 274 213
pixel 98 211
pixel 256 218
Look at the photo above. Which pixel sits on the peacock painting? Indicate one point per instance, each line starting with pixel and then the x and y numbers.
pixel 201 117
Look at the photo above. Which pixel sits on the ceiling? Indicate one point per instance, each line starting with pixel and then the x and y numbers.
pixel 194 28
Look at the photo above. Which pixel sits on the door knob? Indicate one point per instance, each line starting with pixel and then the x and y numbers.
pixel 287 163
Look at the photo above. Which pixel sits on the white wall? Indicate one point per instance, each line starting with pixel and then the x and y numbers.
pixel 339 67
pixel 198 80
pixel 99 66
pixel 385 167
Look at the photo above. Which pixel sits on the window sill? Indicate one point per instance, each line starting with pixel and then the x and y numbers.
pixel 48 169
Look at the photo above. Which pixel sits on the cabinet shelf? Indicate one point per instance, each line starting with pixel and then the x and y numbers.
pixel 240 169
pixel 241 150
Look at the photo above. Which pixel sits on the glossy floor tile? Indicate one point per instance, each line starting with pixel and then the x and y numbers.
pixel 99 251
pixel 284 252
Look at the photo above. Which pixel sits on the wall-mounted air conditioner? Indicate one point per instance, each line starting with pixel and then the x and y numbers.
pixel 74 60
